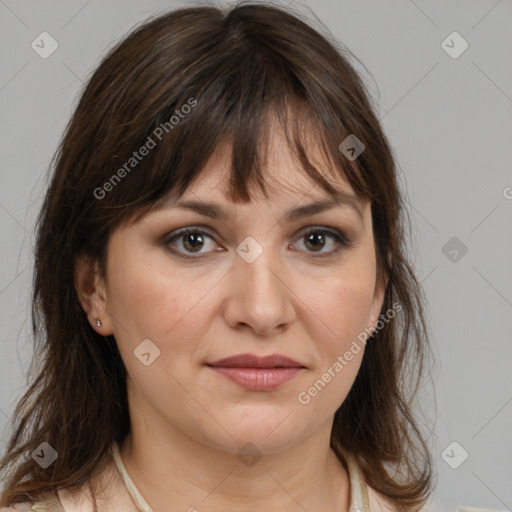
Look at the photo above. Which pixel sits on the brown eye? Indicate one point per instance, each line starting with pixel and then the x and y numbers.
pixel 317 239
pixel 191 240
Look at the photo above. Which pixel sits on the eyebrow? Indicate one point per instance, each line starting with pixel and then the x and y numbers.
pixel 215 211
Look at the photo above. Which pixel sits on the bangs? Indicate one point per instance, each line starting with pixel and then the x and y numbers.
pixel 179 163
pixel 235 94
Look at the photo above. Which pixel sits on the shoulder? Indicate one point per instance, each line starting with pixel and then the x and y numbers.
pixel 59 501
pixel 49 503
pixel 105 492
pixel 20 507
pixel 378 502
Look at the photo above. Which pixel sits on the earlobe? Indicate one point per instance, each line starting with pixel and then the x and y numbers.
pixel 91 293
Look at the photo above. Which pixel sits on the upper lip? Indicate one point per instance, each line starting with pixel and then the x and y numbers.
pixel 254 361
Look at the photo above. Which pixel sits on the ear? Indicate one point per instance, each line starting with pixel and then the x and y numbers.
pixel 91 292
pixel 378 297
pixel 376 307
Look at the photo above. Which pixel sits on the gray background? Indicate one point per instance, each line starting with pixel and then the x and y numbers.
pixel 449 122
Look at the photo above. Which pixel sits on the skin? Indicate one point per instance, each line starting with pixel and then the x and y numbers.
pixel 187 422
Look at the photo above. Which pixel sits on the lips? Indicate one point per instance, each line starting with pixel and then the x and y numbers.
pixel 254 361
pixel 256 373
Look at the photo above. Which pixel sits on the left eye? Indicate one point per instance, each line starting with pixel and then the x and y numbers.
pixel 316 237
pixel 193 240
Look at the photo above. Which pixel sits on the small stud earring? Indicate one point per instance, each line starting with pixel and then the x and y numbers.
pixel 98 322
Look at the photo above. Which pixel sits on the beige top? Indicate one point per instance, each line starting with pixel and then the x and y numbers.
pixel 129 499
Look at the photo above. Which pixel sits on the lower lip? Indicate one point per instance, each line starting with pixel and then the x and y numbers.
pixel 258 379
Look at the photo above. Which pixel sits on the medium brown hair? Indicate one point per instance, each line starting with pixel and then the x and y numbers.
pixel 234 67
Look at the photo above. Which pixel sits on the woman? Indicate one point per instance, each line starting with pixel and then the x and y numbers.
pixel 224 312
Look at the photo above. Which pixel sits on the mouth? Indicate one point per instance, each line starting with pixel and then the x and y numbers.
pixel 257 373
pixel 255 361
pixel 258 379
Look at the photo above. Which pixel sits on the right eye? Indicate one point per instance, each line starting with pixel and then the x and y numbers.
pixel 191 239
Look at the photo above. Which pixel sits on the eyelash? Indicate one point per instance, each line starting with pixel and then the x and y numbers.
pixel 341 239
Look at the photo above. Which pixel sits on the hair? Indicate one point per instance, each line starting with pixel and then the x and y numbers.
pixel 233 68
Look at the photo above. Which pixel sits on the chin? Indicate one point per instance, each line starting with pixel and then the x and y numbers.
pixel 263 436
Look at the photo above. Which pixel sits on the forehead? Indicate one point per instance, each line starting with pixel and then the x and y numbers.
pixel 282 172
pixel 276 181
pixel 292 195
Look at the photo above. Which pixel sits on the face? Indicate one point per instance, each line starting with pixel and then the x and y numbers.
pixel 256 282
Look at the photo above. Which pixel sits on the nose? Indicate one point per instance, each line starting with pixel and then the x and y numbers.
pixel 260 295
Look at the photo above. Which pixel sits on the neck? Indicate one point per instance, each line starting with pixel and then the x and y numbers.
pixel 175 469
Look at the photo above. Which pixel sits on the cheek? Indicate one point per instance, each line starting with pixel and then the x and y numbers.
pixel 350 311
pixel 146 301
pixel 345 311
pixel 142 296
pixel 346 305
pixel 146 305
pixel 343 305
